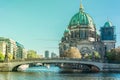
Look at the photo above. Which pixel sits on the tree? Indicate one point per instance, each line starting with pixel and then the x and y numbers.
pixel 96 55
pixel 10 56
pixel 31 54
pixel 2 56
pixel 72 52
pixel 88 56
pixel 111 55
pixel 117 53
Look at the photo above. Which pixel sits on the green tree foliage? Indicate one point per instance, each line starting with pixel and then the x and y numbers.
pixel 96 55
pixel 31 54
pixel 88 56
pixel 117 52
pixel 10 56
pixel 2 56
pixel 113 55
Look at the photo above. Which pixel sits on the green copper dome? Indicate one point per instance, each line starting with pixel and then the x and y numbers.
pixel 81 18
pixel 108 24
pixel 67 31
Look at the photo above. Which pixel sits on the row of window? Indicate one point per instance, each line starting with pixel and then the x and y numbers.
pixel 83 34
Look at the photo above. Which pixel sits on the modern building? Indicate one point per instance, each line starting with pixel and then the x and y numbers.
pixel 12 47
pixel 53 55
pixel 21 52
pixel 81 33
pixel 3 47
pixel 46 54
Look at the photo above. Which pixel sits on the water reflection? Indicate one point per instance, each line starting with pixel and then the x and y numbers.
pixel 41 73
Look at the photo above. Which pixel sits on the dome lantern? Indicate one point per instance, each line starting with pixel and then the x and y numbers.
pixel 81 7
pixel 108 24
pixel 67 32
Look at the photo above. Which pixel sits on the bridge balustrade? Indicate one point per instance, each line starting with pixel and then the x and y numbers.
pixel 63 58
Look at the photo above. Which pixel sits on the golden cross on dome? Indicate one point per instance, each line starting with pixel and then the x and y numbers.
pixel 81 6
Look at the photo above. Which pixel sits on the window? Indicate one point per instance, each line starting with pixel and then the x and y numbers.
pixel 72 34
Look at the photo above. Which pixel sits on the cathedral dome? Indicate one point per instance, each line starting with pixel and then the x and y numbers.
pixel 81 18
pixel 67 31
pixel 108 24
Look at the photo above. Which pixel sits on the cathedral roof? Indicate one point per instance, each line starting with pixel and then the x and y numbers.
pixel 108 24
pixel 67 31
pixel 81 18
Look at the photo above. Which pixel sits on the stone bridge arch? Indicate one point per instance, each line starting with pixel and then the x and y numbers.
pixel 12 66
pixel 93 68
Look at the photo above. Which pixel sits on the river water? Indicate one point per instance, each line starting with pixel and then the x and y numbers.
pixel 42 73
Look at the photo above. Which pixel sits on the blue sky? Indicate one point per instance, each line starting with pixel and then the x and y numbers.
pixel 39 24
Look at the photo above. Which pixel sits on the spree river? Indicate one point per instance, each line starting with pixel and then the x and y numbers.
pixel 52 73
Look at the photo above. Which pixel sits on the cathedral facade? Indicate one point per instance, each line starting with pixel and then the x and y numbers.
pixel 81 33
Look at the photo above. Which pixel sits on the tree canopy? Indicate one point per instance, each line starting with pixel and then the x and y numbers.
pixel 72 52
pixel 113 55
pixel 2 56
pixel 10 56
pixel 31 54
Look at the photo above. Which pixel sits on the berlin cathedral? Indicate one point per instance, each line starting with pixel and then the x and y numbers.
pixel 81 33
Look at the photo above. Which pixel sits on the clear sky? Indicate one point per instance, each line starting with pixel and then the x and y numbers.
pixel 39 24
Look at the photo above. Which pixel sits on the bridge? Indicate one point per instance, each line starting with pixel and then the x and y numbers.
pixel 13 65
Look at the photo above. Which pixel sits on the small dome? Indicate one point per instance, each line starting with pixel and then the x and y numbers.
pixel 67 31
pixel 108 24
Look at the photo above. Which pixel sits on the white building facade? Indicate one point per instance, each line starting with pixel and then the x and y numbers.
pixel 9 46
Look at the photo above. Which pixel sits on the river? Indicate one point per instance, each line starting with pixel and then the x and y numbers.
pixel 42 73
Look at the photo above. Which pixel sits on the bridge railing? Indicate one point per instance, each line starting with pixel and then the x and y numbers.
pixel 37 59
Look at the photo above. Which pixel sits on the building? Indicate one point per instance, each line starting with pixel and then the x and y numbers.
pixel 21 52
pixel 81 33
pixel 53 55
pixel 40 56
pixel 108 36
pixel 46 54
pixel 3 47
pixel 10 46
